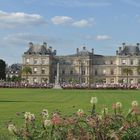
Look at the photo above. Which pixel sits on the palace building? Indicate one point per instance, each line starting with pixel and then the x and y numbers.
pixel 84 66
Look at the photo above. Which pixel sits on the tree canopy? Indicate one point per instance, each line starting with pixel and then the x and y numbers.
pixel 2 70
pixel 26 71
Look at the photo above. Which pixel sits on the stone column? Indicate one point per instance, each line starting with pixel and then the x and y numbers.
pixel 57 75
pixel 57 79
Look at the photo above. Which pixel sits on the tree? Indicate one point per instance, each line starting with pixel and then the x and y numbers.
pixel 26 71
pixel 128 71
pixel 2 70
pixel 15 78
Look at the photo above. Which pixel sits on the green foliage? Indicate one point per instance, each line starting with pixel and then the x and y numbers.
pixel 26 71
pixel 16 78
pixel 2 70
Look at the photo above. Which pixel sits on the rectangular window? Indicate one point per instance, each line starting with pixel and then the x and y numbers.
pixel 27 60
pixel 111 62
pixel 131 62
pixel 131 81
pixel 123 61
pixel 43 61
pixel 63 72
pixel 43 71
pixel 55 72
pixel 96 72
pixel 35 61
pixel 35 80
pixel 71 72
pixel 35 70
pixel 83 72
pixel 112 72
pixel 104 72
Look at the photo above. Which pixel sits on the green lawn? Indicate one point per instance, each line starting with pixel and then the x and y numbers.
pixel 68 101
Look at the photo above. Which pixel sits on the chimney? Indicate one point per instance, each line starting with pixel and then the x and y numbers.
pixel 45 44
pixel 84 48
pixel 30 44
pixel 92 51
pixel 138 44
pixel 123 45
pixel 50 48
pixel 54 52
pixel 77 50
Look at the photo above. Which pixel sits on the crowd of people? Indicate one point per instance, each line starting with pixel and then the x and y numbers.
pixel 69 85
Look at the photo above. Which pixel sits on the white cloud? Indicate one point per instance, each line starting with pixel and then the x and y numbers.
pixel 81 23
pixel 15 19
pixel 103 37
pixel 61 20
pixel 65 20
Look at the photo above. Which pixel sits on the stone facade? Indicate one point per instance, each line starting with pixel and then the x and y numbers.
pixel 82 67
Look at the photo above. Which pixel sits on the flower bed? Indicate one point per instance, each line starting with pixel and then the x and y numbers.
pixel 81 126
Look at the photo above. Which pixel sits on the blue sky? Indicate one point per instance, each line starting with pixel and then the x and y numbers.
pixel 66 25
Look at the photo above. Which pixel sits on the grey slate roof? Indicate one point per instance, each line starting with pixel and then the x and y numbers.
pixel 129 50
pixel 40 49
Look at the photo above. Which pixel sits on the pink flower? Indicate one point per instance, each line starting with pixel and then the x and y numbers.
pixel 56 119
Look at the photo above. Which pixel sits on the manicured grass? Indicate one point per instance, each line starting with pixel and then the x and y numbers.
pixel 67 101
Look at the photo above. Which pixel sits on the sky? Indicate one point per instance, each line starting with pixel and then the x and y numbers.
pixel 66 25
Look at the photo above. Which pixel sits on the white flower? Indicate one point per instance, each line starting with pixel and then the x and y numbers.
pixel 45 113
pixel 134 103
pixel 32 117
pixel 47 122
pixel 93 100
pixel 12 128
pixel 80 112
pixel 28 116
pixel 118 105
